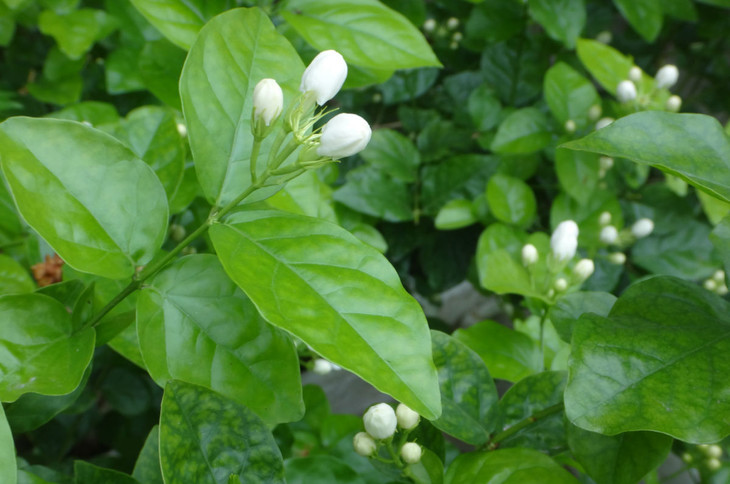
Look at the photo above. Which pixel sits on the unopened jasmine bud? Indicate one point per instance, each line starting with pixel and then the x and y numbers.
pixel 583 269
pixel 411 453
pixel 177 232
pixel 604 218
pixel 604 37
pixel 268 101
pixel 595 112
pixel 626 91
pixel 324 75
pixel 529 255
pixel 618 258
pixel 605 163
pixel 364 444
pixel 713 464
pixel 609 234
pixel 710 285
pixel 322 366
pixel 560 284
pixel 603 122
pixel 570 126
pixel 407 418
pixel 380 421
pixel 564 241
pixel 452 23
pixel 667 76
pixel 429 25
pixel 719 275
pixel 642 228
pixel 635 74
pixel 714 450
pixel 344 135
pixel 674 103
pixel 457 37
pixel 182 129
pixel 721 289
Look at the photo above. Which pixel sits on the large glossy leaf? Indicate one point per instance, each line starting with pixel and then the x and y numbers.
pixel 231 55
pixel 340 296
pixel 180 20
pixel 7 451
pixel 366 32
pixel 468 393
pixel 195 325
pixel 508 466
pixel 14 279
pixel 40 350
pixel 657 362
pixel 618 459
pixel 569 308
pixel 205 438
pixel 100 207
pixel 691 146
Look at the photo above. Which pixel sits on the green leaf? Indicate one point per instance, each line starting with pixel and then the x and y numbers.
pixel 656 363
pixel 569 308
pixel 508 466
pixel 121 73
pixel 429 470
pixel 14 279
pixel 231 55
pixel 714 209
pixel 92 112
pixel 373 192
pixel 468 393
pixel 205 438
pixel 645 16
pixel 307 195
pixel 563 20
pixel 61 82
pixel 455 215
pixel 365 32
pixel 495 20
pixel 524 131
pixel 101 208
pixel 691 146
pixel 605 63
pixel 192 304
pixel 527 397
pixel 461 176
pixel 484 108
pixel 40 350
pixel 568 94
pixel 406 85
pixel 618 459
pixel 180 20
pixel 76 32
pixel 340 296
pixel 90 474
pixel 147 468
pixel 515 69
pixel 7 451
pixel 578 173
pixel 160 63
pixel 320 469
pixel 393 153
pixel 509 355
pixel 511 200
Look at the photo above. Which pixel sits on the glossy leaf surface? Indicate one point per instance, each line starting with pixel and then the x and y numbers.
pixel 508 466
pixel 7 451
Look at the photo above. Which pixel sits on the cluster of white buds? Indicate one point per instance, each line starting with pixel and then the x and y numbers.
pixel 642 228
pixel 716 283
pixel 626 91
pixel 712 454
pixel 380 423
pixel 564 241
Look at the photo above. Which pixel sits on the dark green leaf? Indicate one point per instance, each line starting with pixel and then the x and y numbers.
pixel 75 32
pixel 320 469
pixel 569 94
pixel 7 451
pixel 90 474
pixel 393 153
pixel 569 308
pixel 514 70
pixel 484 108
pixel 578 173
pixel 462 176
pixel 160 64
pixel 511 200
pixel 121 71
pixel 645 16
pixel 373 192
pixel 524 131
pixel 147 468
pixel 455 215
pixel 563 20
pixel 495 20
pixel 508 466
pixel 408 84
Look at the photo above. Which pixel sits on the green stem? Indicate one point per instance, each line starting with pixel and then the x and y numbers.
pixel 393 455
pixel 542 338
pixel 254 156
pixel 505 434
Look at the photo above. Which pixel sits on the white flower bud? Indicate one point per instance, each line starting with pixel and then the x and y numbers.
pixel 452 23
pixel 719 275
pixel 429 25
pixel 380 421
pixel 604 37
pixel 343 136
pixel 583 269
pixel 674 103
pixel 570 126
pixel 605 163
pixel 324 75
pixel 721 289
pixel 713 464
pixel 618 258
pixel 594 112
pixel 268 101
pixel 364 444
pixel 407 418
pixel 411 453
pixel 642 228
pixel 560 284
pixel 564 241
pixel 687 457
pixel 604 218
pixel 609 234
pixel 667 76
pixel 626 91
pixel 603 122
pixel 182 129
pixel 322 366
pixel 710 285
pixel 457 37
pixel 635 74
pixel 529 254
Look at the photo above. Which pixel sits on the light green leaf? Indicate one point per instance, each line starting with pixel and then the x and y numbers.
pixel 511 200
pixel 340 296
pixel 714 208
pixel 373 192
pixel 578 173
pixel 618 459
pixel 75 32
pixel 121 73
pixel 468 393
pixel 320 469
pixel 563 20
pixel 195 325
pixel 40 350
pixel 393 153
pixel 160 64
pixel 92 112
pixel 605 63
pixel 524 131
pixel 231 55
pixel 675 336
pixel 7 451
pixel 307 195
pixel 508 466
pixel 691 146
pixel 569 308
pixel 484 108
pixel 180 20
pixel 645 16
pixel 365 32
pixel 147 468
pixel 205 438
pixel 509 355
pixel 14 279
pixel 455 215
pixel 102 209
pixel 568 94
pixel 90 474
